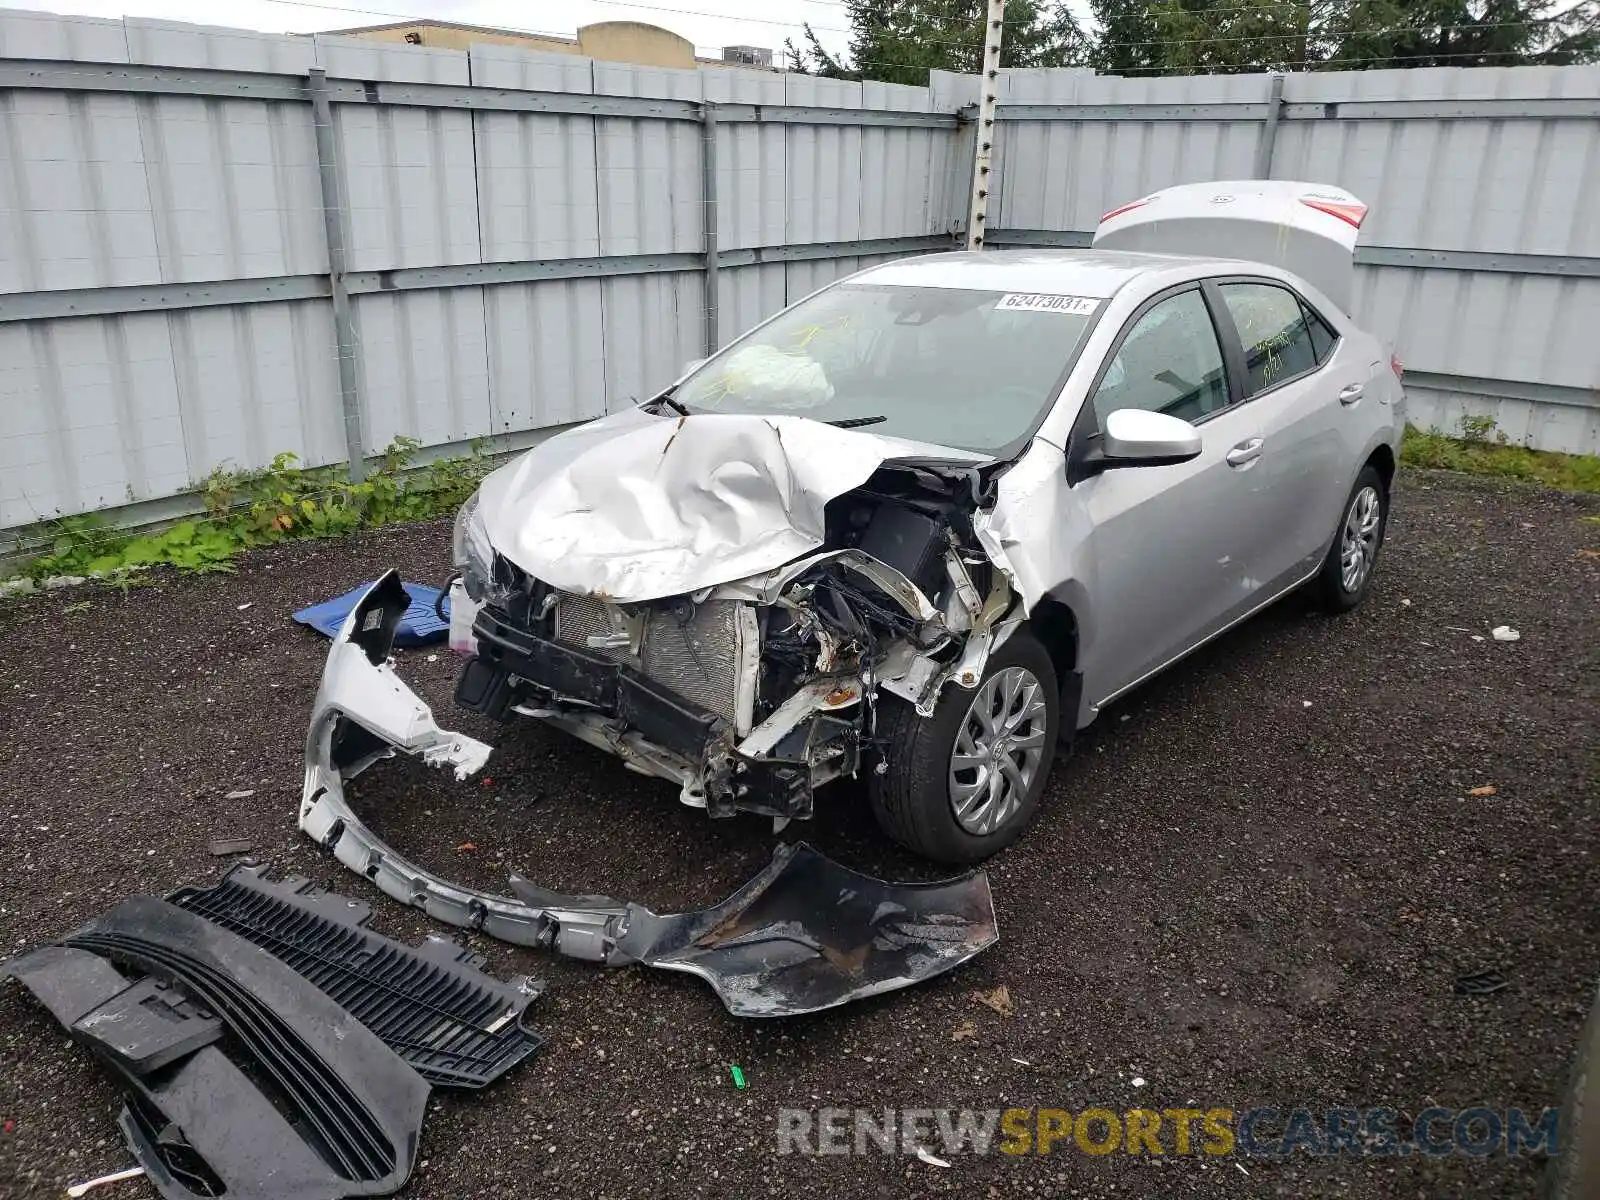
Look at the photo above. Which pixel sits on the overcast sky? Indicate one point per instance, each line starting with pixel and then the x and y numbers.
pixel 707 23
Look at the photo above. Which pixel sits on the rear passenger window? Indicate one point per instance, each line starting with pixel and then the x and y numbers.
pixel 1273 327
pixel 1322 336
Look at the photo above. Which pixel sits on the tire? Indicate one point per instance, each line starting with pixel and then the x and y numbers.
pixel 1362 523
pixel 913 790
pixel 1575 1170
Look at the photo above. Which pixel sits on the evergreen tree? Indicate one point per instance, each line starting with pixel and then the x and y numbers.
pixel 900 41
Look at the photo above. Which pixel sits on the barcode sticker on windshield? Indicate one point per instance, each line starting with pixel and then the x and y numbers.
pixel 1072 306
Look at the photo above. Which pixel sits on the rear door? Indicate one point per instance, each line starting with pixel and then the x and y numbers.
pixel 1305 384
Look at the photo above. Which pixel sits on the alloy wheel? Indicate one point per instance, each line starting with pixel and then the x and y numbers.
pixel 1359 545
pixel 998 749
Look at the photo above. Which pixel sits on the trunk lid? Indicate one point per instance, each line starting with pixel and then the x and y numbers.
pixel 1309 229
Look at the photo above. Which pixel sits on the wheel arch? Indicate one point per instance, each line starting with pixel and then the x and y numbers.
pixel 1054 625
pixel 1382 460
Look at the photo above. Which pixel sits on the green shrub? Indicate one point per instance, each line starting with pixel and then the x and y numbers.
pixel 243 509
pixel 1481 450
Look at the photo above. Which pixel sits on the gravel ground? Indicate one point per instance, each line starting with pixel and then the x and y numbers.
pixel 1252 884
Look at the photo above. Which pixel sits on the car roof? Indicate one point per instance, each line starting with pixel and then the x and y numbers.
pixel 1097 273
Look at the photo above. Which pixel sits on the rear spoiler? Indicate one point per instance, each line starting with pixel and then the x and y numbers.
pixel 1309 229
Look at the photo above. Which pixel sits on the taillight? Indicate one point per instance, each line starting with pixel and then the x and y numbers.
pixel 1118 211
pixel 1350 214
pixel 1398 367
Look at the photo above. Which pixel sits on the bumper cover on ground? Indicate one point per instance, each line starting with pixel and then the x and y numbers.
pixel 805 934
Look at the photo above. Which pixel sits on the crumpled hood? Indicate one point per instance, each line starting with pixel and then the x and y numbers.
pixel 637 506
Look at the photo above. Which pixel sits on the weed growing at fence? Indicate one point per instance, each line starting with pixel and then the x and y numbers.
pixel 244 509
pixel 1481 450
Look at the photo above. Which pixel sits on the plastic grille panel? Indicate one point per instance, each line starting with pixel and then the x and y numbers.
pixel 455 1025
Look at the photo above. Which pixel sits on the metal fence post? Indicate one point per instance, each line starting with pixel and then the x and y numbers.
pixel 988 93
pixel 708 175
pixel 330 176
pixel 1269 130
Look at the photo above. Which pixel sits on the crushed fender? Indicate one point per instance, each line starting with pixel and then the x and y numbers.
pixel 805 934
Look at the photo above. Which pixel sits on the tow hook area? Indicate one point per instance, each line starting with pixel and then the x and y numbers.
pixel 805 934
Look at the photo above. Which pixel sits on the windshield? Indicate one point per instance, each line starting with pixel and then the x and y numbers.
pixel 968 369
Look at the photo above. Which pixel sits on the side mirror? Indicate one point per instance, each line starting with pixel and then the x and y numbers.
pixel 694 364
pixel 1136 437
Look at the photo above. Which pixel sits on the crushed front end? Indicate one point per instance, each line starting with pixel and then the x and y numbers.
pixel 751 693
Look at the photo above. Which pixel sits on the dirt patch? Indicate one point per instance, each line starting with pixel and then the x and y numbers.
pixel 1253 884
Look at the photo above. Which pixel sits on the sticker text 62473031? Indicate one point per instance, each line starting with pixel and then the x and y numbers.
pixel 1072 306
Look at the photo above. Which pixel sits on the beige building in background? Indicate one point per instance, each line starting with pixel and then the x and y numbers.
pixel 609 41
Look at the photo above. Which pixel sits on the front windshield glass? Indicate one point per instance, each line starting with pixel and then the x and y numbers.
pixel 962 368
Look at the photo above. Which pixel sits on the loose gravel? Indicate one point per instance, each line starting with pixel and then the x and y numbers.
pixel 1253 883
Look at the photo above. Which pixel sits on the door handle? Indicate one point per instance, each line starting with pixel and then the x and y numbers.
pixel 1244 453
pixel 1350 393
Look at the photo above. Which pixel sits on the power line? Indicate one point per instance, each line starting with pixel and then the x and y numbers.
pixel 1385 31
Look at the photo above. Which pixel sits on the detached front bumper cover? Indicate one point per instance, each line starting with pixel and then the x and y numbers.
pixel 805 934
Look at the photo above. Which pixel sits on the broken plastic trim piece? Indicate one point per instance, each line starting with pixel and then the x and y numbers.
pixel 808 934
pixel 314 1108
pixel 805 934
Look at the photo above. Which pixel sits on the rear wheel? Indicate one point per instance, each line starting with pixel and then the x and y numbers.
pixel 963 784
pixel 1347 571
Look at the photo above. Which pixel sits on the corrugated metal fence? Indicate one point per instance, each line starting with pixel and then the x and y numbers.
pixel 519 241
pixel 197 269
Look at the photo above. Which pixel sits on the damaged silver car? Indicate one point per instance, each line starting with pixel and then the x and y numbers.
pixel 922 527
pixel 927 522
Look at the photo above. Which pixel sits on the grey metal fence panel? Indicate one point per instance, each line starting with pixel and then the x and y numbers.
pixel 357 58
pixel 423 357
pixel 824 165
pixel 1063 173
pixel 40 35
pixel 898 188
pixel 752 161
pixel 1478 258
pixel 547 353
pixel 648 171
pixel 74 203
pixel 1444 402
pixel 803 278
pixel 748 295
pixel 1492 183
pixel 659 318
pixel 232 187
pixel 100 411
pixel 175 44
pixel 1508 184
pixel 411 197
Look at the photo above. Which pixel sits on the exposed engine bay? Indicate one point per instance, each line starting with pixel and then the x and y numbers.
pixel 750 693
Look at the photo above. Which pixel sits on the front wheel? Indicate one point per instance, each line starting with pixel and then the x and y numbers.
pixel 1347 571
pixel 962 784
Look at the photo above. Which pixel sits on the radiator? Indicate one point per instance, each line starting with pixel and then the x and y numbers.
pixel 699 659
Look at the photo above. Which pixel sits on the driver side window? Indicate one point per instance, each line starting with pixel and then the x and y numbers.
pixel 1170 362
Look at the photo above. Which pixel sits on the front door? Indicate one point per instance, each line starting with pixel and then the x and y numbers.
pixel 1167 543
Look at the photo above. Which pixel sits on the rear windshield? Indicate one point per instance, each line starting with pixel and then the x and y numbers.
pixel 973 370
